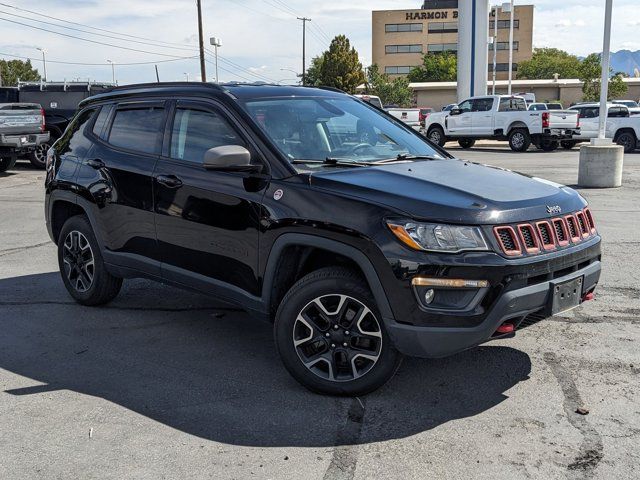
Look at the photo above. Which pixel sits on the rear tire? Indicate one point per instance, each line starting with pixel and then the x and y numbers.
pixel 81 264
pixel 7 163
pixel 38 157
pixel 519 139
pixel 466 142
pixel 330 335
pixel 567 144
pixel 627 140
pixel 436 135
pixel 549 145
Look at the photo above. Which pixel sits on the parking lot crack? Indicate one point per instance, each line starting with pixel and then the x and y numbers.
pixel 345 454
pixel 10 251
pixel 591 448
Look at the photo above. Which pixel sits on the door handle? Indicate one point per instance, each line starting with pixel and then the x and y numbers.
pixel 169 181
pixel 95 163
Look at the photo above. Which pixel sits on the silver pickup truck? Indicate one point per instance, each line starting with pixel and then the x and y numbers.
pixel 22 131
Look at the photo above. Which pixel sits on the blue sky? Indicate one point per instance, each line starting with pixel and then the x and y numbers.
pixel 262 37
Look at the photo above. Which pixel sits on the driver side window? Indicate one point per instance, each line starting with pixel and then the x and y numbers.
pixel 196 131
pixel 465 106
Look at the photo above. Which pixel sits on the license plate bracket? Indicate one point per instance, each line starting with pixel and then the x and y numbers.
pixel 566 295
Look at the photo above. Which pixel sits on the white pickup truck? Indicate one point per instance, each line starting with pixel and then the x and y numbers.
pixel 502 117
pixel 410 116
pixel 22 128
pixel 621 126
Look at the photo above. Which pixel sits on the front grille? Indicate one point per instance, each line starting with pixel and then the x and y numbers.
pixel 508 241
pixel 547 235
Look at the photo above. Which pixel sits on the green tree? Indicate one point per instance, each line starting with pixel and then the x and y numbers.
pixel 313 72
pixel 436 67
pixel 545 62
pixel 340 66
pixel 590 73
pixel 391 92
pixel 13 70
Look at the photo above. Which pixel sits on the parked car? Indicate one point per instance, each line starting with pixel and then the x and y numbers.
pixel 634 108
pixel 372 99
pixel 358 252
pixel 410 116
pixel 448 108
pixel 617 124
pixel 22 131
pixel 60 101
pixel 501 117
pixel 544 106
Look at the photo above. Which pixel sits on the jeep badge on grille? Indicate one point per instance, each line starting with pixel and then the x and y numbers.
pixel 554 209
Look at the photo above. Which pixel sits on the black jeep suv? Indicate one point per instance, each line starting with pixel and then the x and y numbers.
pixel 359 239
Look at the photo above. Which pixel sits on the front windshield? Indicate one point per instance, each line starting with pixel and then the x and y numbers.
pixel 340 129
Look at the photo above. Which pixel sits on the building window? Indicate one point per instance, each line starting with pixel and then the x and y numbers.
pixel 503 67
pixel 443 27
pixel 502 24
pixel 505 45
pixel 403 49
pixel 397 70
pixel 442 47
pixel 403 27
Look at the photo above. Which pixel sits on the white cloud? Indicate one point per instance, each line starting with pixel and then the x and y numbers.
pixel 257 36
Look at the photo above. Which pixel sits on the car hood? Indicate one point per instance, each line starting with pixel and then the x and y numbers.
pixel 452 191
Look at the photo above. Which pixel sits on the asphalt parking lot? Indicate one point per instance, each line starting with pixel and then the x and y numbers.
pixel 164 383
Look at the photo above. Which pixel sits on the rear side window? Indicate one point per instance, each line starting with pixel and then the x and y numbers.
pixel 196 131
pixel 72 137
pixel 138 128
pixel 101 121
pixel 617 112
pixel 511 104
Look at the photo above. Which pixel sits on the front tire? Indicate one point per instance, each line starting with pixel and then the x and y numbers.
pixel 330 335
pixel 628 141
pixel 7 163
pixel 436 135
pixel 81 264
pixel 466 142
pixel 38 156
pixel 519 139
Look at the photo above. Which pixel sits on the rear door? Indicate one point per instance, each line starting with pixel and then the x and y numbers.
pixel 207 221
pixel 589 120
pixel 117 177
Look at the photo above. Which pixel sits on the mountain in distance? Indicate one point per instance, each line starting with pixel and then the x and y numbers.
pixel 625 61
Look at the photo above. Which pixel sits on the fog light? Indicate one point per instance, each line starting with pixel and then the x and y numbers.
pixel 428 295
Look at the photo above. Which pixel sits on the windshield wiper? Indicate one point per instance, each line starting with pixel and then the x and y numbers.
pixel 331 162
pixel 406 157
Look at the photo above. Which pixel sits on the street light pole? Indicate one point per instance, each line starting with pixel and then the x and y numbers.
pixel 511 45
pixel 604 81
pixel 216 43
pixel 292 71
pixel 304 33
pixel 186 74
pixel 44 62
pixel 495 48
pixel 113 71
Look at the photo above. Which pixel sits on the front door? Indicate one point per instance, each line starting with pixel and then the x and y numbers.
pixel 482 117
pixel 206 221
pixel 460 125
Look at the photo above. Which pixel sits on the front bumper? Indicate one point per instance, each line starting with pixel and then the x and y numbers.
pixel 431 342
pixel 28 140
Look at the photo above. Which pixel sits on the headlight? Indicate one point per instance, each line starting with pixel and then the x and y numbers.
pixel 438 237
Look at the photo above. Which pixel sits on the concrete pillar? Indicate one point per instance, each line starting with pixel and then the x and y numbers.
pixel 473 38
pixel 600 165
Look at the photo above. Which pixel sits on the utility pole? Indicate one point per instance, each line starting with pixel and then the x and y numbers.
pixel 44 62
pixel 304 34
pixel 511 46
pixel 113 71
pixel 495 47
pixel 203 71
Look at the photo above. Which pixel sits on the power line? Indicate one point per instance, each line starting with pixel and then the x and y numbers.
pixel 98 64
pixel 89 40
pixel 90 26
pixel 239 67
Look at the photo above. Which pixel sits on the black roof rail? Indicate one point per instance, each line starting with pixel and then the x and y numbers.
pixel 134 86
pixel 330 89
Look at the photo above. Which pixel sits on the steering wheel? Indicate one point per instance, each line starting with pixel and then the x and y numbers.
pixel 353 150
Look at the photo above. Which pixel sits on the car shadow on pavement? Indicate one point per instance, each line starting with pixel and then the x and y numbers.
pixel 209 370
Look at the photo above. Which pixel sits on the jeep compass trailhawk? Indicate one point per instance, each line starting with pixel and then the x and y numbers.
pixel 359 239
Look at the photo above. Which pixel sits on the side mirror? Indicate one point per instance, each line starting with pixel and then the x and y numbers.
pixel 455 111
pixel 229 158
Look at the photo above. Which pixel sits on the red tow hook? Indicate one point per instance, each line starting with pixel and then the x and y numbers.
pixel 588 296
pixel 506 328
